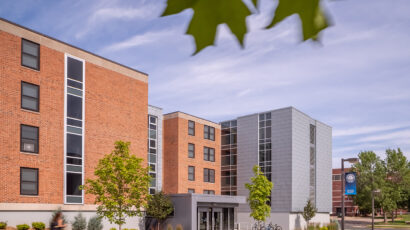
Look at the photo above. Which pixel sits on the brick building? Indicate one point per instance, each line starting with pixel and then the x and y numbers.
pixel 61 109
pixel 192 159
pixel 350 208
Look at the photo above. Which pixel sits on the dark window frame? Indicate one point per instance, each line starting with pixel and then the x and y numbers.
pixel 209 179
pixel 38 96
pixel 38 139
pixel 191 190
pixel 37 180
pixel 207 132
pixel 38 57
pixel 193 172
pixel 193 153
pixel 191 128
pixel 207 154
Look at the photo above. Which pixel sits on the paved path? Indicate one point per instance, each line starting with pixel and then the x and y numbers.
pixel 352 223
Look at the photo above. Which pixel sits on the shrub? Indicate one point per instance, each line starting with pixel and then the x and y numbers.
pixel 179 227
pixel 311 227
pixel 38 225
pixel 95 223
pixel 113 229
pixel 55 213
pixel 169 227
pixel 323 228
pixel 79 223
pixel 3 225
pixel 333 226
pixel 22 227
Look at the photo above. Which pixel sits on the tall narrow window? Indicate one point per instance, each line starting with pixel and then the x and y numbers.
pixel 191 150
pixel 28 181
pixel 29 96
pixel 74 132
pixel 312 173
pixel 191 173
pixel 191 128
pixel 30 54
pixel 152 151
pixel 28 139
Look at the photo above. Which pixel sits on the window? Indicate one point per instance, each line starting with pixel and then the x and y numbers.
pixel 191 190
pixel 191 150
pixel 74 180
pixel 29 96
pixel 191 173
pixel 210 192
pixel 209 154
pixel 74 145
pixel 191 128
pixel 28 181
pixel 312 134
pixel 209 132
pixel 28 139
pixel 209 175
pixel 30 54
pixel 336 177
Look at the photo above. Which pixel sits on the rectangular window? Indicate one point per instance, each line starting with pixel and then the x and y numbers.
pixel 28 181
pixel 191 190
pixel 29 139
pixel 337 177
pixel 312 134
pixel 191 150
pixel 191 128
pixel 29 96
pixel 209 154
pixel 209 175
pixel 191 173
pixel 74 181
pixel 209 132
pixel 210 192
pixel 30 54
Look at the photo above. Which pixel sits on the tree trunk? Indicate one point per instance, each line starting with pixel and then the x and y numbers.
pixel 385 216
pixel 392 216
pixel 158 225
pixel 119 227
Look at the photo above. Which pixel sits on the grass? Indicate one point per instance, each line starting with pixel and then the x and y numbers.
pixel 399 222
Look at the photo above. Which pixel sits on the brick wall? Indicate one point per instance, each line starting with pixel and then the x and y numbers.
pixel 115 109
pixel 176 160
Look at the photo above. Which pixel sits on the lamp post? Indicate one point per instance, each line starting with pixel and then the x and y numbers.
pixel 352 161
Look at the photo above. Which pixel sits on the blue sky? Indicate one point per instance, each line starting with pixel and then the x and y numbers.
pixel 357 80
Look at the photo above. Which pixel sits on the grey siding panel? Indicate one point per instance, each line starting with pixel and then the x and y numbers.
pixel 324 167
pixel 281 160
pixel 300 159
pixel 247 154
pixel 155 111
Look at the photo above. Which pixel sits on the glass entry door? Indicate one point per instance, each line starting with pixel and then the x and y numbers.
pixel 210 219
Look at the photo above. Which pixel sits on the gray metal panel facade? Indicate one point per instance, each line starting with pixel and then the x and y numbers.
pixel 247 153
pixel 155 111
pixel 300 159
pixel 281 160
pixel 323 167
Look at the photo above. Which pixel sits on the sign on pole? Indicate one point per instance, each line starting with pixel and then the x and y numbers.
pixel 350 183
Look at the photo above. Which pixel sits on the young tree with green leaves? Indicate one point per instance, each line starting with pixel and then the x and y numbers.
pixel 395 185
pixel 370 177
pixel 121 185
pixel 259 193
pixel 159 207
pixel 209 14
pixel 309 211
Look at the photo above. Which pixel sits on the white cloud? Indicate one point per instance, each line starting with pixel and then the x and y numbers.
pixel 365 130
pixel 397 137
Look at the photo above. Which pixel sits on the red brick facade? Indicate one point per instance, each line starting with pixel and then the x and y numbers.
pixel 175 155
pixel 115 109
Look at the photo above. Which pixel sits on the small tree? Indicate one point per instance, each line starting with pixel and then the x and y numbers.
pixel 309 211
pixel 79 223
pixel 159 207
pixel 259 196
pixel 121 185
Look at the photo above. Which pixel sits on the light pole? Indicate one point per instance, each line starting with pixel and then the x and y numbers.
pixel 352 161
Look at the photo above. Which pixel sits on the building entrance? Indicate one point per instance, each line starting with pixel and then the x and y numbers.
pixel 215 218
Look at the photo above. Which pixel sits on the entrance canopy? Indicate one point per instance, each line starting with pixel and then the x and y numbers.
pixel 203 211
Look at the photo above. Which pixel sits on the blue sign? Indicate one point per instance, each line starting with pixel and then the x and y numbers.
pixel 350 183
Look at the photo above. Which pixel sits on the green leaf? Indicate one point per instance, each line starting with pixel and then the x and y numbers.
pixel 208 14
pixel 310 13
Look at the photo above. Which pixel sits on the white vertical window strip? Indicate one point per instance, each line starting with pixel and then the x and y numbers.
pixel 74 88
pixel 153 152
pixel 312 164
